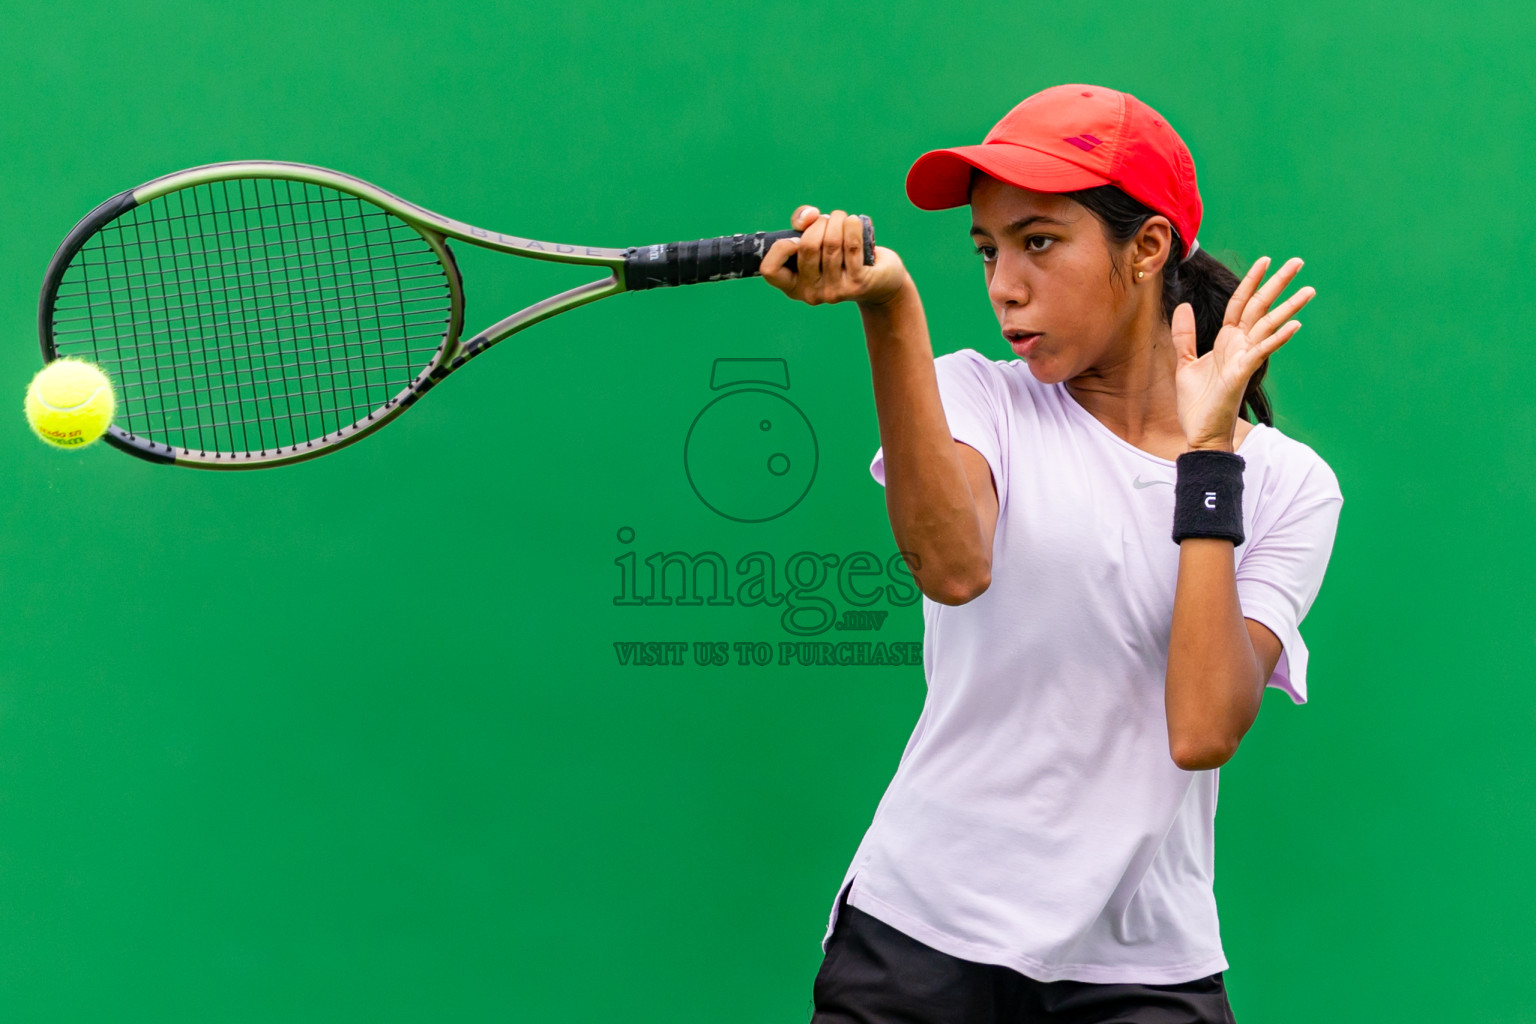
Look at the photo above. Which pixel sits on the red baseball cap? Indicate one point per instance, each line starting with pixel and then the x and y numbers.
pixel 1071 137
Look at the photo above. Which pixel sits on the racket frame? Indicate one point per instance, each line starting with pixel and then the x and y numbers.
pixel 634 268
pixel 434 229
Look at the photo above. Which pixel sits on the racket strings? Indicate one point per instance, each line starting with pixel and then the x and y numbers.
pixel 253 314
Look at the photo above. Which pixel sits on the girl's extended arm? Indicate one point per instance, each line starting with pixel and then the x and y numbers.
pixel 939 493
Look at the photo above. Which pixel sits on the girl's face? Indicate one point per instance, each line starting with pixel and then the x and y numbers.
pixel 1047 265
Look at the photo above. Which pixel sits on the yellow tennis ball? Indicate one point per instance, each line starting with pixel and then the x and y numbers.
pixel 70 402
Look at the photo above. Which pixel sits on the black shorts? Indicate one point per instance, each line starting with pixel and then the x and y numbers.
pixel 874 974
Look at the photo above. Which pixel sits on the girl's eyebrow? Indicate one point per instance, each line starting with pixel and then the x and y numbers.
pixel 1020 224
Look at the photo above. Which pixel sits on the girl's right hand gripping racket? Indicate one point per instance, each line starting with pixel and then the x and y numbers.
pixel 258 313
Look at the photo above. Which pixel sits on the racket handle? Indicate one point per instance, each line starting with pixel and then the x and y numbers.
pixel 712 259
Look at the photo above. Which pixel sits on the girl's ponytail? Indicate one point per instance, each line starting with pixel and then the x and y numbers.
pixel 1203 281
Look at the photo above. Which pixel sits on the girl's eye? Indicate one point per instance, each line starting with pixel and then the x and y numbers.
pixel 988 253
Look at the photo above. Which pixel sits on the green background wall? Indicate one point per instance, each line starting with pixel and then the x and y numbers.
pixel 351 741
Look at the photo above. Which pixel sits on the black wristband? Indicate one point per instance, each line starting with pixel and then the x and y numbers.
pixel 1208 496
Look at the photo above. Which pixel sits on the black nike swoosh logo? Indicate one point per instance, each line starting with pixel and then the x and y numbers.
pixel 1142 485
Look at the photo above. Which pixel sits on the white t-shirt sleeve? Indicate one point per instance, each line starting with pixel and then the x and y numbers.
pixel 968 391
pixel 1280 570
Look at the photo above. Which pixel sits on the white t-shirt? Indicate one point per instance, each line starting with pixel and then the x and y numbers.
pixel 1036 819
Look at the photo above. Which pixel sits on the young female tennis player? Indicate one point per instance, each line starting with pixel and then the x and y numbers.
pixel 1115 564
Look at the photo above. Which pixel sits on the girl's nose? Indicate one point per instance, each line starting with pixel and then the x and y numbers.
pixel 1007 287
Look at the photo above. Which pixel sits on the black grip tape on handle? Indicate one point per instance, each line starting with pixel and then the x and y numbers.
pixel 712 259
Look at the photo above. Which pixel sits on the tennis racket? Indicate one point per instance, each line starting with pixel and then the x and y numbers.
pixel 258 313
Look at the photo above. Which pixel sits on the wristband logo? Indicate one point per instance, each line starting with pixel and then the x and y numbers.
pixel 1210 499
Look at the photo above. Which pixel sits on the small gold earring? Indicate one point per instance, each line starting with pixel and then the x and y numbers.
pixel 1140 274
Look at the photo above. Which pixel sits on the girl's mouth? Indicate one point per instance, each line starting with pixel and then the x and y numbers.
pixel 1022 341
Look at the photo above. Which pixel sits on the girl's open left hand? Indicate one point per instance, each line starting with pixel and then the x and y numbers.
pixel 1210 387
